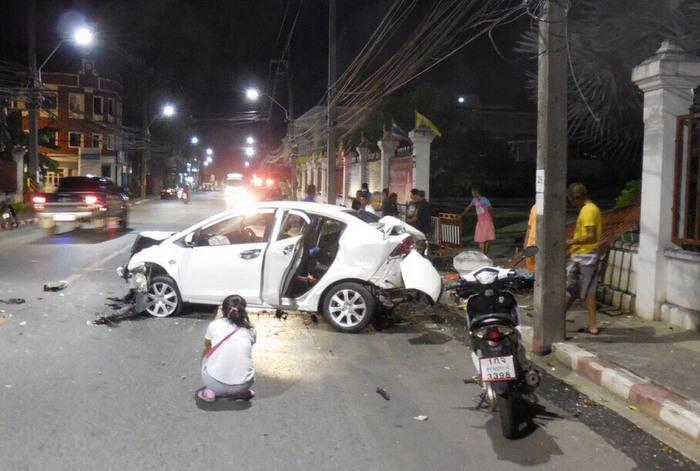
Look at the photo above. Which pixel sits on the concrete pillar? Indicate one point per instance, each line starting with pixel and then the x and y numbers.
pixel 18 157
pixel 666 80
pixel 323 185
pixel 387 147
pixel 363 151
pixel 347 165
pixel 421 138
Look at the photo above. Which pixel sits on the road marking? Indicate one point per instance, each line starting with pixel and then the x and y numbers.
pixel 76 276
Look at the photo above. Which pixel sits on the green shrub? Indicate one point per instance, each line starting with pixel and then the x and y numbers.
pixel 22 207
pixel 630 194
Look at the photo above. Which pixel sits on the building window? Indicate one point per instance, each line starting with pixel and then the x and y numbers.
pixel 107 171
pixel 96 140
pixel 686 194
pixel 50 102
pixel 110 106
pixel 76 105
pixel 50 137
pixel 74 139
pixel 97 105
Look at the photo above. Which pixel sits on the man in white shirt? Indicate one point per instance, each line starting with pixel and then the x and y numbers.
pixel 375 204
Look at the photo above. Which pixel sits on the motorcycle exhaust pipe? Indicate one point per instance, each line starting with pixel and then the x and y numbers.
pixel 533 378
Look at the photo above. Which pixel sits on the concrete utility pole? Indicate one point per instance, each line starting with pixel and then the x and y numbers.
pixel 550 287
pixel 33 162
pixel 145 153
pixel 330 180
pixel 290 127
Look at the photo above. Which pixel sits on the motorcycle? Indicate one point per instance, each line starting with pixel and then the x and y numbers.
pixel 505 374
pixel 8 216
pixel 185 196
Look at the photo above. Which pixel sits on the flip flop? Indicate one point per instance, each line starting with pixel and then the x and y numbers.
pixel 244 396
pixel 207 395
pixel 586 330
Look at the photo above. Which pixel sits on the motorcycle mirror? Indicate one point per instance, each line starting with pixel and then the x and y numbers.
pixel 530 251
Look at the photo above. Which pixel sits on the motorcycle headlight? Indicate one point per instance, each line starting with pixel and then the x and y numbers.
pixel 5 216
pixel 486 277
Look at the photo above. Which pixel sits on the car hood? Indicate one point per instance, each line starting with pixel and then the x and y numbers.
pixel 156 235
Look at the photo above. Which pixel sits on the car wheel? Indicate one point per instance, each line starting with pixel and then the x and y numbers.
pixel 349 307
pixel 124 220
pixel 163 297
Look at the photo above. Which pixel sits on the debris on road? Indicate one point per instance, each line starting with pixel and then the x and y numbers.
pixel 438 319
pixel 56 285
pixel 12 301
pixel 421 418
pixel 280 314
pixel 23 323
pixel 383 393
pixel 632 408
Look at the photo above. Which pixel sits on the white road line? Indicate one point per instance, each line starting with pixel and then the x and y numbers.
pixel 76 276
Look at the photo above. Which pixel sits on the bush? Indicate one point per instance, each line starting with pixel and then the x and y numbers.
pixel 630 194
pixel 22 207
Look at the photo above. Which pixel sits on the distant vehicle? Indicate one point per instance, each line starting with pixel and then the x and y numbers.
pixel 80 202
pixel 8 216
pixel 265 189
pixel 168 192
pixel 284 255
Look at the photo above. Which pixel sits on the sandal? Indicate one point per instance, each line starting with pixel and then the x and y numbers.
pixel 207 395
pixel 244 395
pixel 586 330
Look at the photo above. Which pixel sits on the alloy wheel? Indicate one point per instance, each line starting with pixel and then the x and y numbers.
pixel 347 308
pixel 162 299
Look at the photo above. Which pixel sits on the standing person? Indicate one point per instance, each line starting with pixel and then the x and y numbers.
pixel 375 204
pixel 531 238
pixel 390 206
pixel 357 201
pixel 420 219
pixel 485 232
pixel 365 190
pixel 310 193
pixel 582 271
pixel 227 359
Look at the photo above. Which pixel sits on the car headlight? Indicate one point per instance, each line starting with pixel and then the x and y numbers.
pixel 141 282
pixel 486 277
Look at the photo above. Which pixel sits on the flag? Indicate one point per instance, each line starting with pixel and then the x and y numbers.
pixel 423 121
pixel 398 133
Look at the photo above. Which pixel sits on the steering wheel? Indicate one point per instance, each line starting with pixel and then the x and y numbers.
pixel 250 235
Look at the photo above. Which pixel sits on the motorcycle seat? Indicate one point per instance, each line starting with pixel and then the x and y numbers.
pixel 492 318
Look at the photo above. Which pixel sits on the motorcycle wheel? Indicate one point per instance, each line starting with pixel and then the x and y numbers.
pixel 505 405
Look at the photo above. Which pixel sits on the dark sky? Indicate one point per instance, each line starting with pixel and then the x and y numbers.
pixel 204 53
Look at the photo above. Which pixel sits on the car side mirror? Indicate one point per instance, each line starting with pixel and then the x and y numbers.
pixel 192 238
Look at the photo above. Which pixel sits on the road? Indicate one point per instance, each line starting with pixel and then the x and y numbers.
pixel 75 396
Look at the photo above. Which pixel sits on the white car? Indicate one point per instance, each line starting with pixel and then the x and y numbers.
pixel 285 255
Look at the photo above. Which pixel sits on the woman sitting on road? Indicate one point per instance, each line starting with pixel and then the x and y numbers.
pixel 227 360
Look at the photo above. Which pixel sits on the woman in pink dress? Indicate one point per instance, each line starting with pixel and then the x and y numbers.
pixel 485 232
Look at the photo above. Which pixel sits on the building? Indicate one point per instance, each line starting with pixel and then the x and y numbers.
pixel 83 114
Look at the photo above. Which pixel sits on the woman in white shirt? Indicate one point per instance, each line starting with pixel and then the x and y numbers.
pixel 227 361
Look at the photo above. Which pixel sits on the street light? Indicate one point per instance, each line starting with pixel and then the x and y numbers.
pixel 206 164
pixel 249 151
pixel 250 140
pixel 83 36
pixel 209 159
pixel 247 164
pixel 194 140
pixel 253 94
pixel 209 151
pixel 460 99
pixel 168 111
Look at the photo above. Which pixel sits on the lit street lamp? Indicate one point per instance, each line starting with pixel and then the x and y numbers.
pixel 83 36
pixel 247 164
pixel 206 164
pixel 252 94
pixel 194 140
pixel 250 140
pixel 168 111
pixel 460 99
pixel 209 151
pixel 249 151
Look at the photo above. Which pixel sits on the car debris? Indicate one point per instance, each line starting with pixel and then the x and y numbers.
pixel 421 418
pixel 382 392
pixel 280 314
pixel 12 301
pixel 56 285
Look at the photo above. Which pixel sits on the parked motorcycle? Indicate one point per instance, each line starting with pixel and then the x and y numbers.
pixel 505 373
pixel 8 216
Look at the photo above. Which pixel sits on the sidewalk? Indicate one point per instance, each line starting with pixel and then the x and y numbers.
pixel 650 364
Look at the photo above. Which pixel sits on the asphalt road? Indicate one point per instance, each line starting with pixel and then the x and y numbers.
pixel 74 396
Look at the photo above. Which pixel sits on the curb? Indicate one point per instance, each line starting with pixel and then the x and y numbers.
pixel 671 408
pixel 24 222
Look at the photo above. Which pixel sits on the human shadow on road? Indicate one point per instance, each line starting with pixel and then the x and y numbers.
pixel 221 404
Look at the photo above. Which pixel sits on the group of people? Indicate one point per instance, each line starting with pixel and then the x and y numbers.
pixel 384 203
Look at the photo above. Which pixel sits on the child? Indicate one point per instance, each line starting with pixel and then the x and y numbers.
pixel 485 231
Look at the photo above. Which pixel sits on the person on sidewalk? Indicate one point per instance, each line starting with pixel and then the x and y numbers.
pixel 390 206
pixel 485 231
pixel 531 238
pixel 375 204
pixel 310 193
pixel 357 201
pixel 582 270
pixel 227 359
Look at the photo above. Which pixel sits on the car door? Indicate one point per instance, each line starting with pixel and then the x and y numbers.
pixel 227 258
pixel 283 255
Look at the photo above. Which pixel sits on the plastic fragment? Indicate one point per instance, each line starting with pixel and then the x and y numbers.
pixel 56 285
pixel 383 393
pixel 421 418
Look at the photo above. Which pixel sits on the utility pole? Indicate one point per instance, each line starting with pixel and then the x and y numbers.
pixel 145 153
pixel 330 185
pixel 33 163
pixel 550 287
pixel 290 127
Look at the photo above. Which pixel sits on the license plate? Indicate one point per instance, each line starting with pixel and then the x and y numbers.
pixel 63 217
pixel 497 369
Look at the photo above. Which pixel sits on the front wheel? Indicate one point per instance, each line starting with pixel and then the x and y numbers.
pixel 349 307
pixel 163 297
pixel 505 405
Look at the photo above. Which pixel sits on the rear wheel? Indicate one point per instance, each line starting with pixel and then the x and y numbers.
pixel 349 307
pixel 124 220
pixel 505 405
pixel 163 297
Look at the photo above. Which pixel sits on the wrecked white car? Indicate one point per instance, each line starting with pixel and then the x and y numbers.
pixel 285 255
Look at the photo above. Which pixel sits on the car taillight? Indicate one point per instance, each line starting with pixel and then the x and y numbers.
pixel 39 200
pixel 91 200
pixel 404 248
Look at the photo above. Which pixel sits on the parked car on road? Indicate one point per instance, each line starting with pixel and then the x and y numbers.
pixel 82 201
pixel 284 255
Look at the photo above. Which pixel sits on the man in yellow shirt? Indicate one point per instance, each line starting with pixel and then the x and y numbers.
pixel 582 271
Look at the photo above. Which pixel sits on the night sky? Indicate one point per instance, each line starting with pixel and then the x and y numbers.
pixel 204 53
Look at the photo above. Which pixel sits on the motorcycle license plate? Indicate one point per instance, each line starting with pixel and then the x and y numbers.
pixel 497 368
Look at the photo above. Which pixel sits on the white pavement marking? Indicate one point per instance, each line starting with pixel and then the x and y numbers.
pixel 76 276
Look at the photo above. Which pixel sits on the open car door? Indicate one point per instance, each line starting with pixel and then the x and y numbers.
pixel 284 256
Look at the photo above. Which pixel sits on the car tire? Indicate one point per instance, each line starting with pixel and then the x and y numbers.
pixel 124 220
pixel 163 298
pixel 349 307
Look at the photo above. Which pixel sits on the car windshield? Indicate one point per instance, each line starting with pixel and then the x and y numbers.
pixel 82 184
pixel 363 215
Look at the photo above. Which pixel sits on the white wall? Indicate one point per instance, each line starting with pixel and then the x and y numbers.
pixel 683 279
